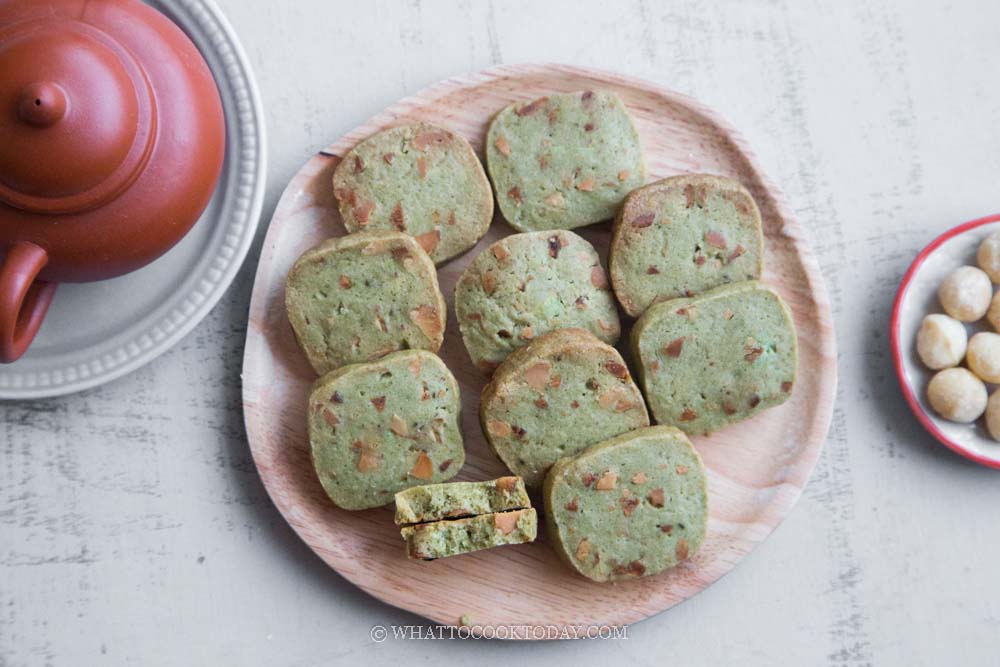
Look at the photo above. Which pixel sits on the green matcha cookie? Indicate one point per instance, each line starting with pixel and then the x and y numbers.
pixel 629 507
pixel 434 502
pixel 682 236
pixel 378 428
pixel 420 179
pixel 563 392
pixel 563 161
pixel 441 539
pixel 359 297
pixel 525 285
pixel 716 359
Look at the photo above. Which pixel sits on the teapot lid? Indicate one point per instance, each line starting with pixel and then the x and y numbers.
pixel 112 134
pixel 78 116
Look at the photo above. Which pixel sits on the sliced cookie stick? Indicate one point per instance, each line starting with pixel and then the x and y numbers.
pixel 378 428
pixel 440 539
pixel 629 507
pixel 525 285
pixel 718 358
pixel 359 297
pixel 434 502
pixel 564 391
pixel 420 179
pixel 563 161
pixel 683 236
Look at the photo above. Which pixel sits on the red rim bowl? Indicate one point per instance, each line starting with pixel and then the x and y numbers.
pixel 897 355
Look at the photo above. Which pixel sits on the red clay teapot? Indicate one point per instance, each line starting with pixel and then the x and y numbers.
pixel 111 142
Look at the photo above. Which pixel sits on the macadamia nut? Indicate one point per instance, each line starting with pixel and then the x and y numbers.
pixel 941 342
pixel 983 356
pixel 988 256
pixel 993 415
pixel 965 294
pixel 957 395
pixel 993 314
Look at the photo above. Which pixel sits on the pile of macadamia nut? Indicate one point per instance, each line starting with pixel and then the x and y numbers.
pixel 956 393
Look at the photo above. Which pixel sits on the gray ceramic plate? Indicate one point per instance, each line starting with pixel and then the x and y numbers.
pixel 96 332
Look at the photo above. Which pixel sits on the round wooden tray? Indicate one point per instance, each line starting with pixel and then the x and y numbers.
pixel 756 469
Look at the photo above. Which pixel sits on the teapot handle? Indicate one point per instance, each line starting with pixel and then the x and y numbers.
pixel 23 300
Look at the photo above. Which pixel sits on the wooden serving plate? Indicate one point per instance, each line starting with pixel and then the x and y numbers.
pixel 756 469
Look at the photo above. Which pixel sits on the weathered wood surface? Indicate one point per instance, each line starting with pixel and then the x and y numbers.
pixel 134 528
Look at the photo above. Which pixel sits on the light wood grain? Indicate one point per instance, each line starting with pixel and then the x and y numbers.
pixel 756 469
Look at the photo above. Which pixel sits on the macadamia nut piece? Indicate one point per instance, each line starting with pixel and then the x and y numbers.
pixel 941 342
pixel 965 294
pixel 988 256
pixel 957 395
pixel 983 356
pixel 993 415
pixel 993 314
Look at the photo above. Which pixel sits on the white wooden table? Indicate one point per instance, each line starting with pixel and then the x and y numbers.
pixel 134 529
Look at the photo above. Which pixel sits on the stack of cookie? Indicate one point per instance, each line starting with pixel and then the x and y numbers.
pixel 540 316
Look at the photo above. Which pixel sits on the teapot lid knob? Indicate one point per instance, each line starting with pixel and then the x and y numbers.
pixel 41 104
